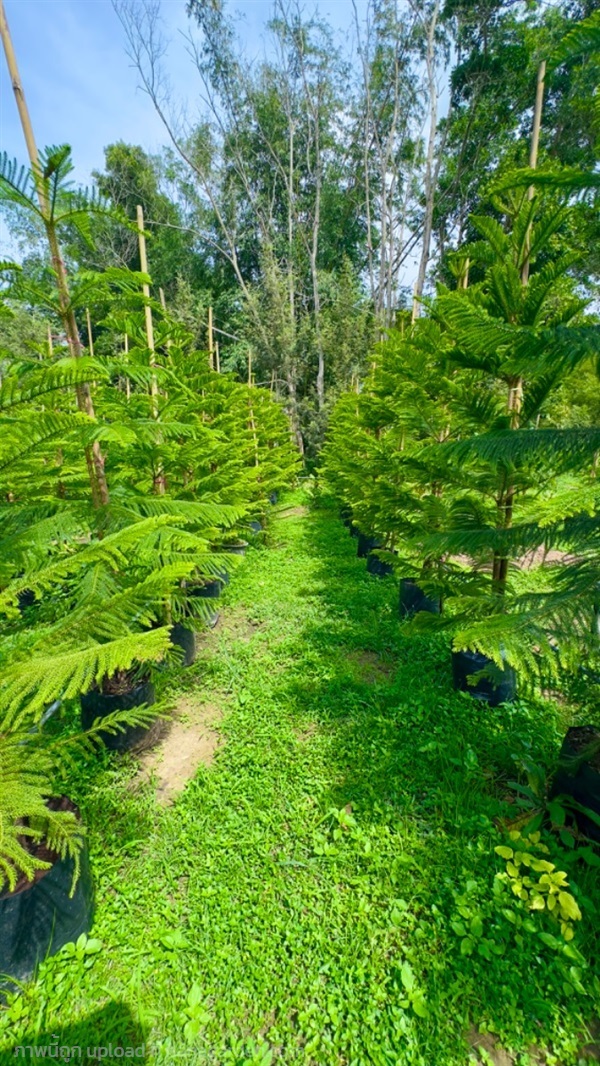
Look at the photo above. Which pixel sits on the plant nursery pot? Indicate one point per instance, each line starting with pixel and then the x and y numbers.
pixel 184 638
pixel 377 567
pixel 273 497
pixel 238 548
pixel 221 579
pixel 580 780
pixel 465 663
pixel 366 544
pixel 413 599
pixel 209 591
pixel 96 704
pixel 38 917
pixel 255 527
pixel 346 516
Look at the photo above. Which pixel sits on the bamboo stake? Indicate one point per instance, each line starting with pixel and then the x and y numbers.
pixel 515 387
pixel 89 332
pixel 249 365
pixel 145 286
pixel 93 456
pixel 533 155
pixel 415 306
pixel 159 478
pixel 50 345
pixel 163 304
pixel 127 381
pixel 210 338
pixel 464 281
pixel 217 358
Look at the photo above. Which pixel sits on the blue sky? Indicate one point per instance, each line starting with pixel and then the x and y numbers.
pixel 79 83
pixel 78 80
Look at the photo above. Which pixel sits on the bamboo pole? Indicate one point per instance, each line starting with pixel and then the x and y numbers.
pixel 145 286
pixel 50 345
pixel 515 386
pixel 415 306
pixel 249 365
pixel 163 304
pixel 533 154
pixel 93 456
pixel 89 332
pixel 210 338
pixel 127 381
pixel 159 478
pixel 217 358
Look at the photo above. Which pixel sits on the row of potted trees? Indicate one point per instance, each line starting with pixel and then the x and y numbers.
pixel 128 481
pixel 458 458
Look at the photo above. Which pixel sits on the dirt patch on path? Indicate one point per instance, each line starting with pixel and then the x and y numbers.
pixel 191 740
pixel 369 667
pixel 293 512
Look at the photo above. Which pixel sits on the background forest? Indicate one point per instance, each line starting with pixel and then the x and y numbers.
pixel 320 191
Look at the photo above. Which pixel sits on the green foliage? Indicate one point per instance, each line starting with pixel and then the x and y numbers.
pixel 89 592
pixel 456 454
pixel 323 860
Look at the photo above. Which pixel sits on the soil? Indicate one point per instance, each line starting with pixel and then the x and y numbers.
pixel 293 512
pixel 369 666
pixel 121 682
pixel 236 622
pixel 190 740
pixel 41 851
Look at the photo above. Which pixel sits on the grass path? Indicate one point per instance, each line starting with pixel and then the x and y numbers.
pixel 298 903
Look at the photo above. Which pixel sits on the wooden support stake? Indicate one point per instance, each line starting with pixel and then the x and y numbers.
pixel 533 155
pixel 127 381
pixel 210 339
pixel 145 286
pixel 50 345
pixel 89 332
pixel 217 358
pixel 159 479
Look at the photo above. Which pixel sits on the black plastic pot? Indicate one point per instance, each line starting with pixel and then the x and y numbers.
pixel 255 527
pixel 578 779
pixel 95 704
pixel 346 516
pixel 273 497
pixel 465 663
pixel 239 548
pixel 185 639
pixel 210 591
pixel 413 599
pixel 377 567
pixel 37 919
pixel 366 545
pixel 221 579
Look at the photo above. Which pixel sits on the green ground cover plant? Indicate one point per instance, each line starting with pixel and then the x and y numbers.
pixel 328 891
